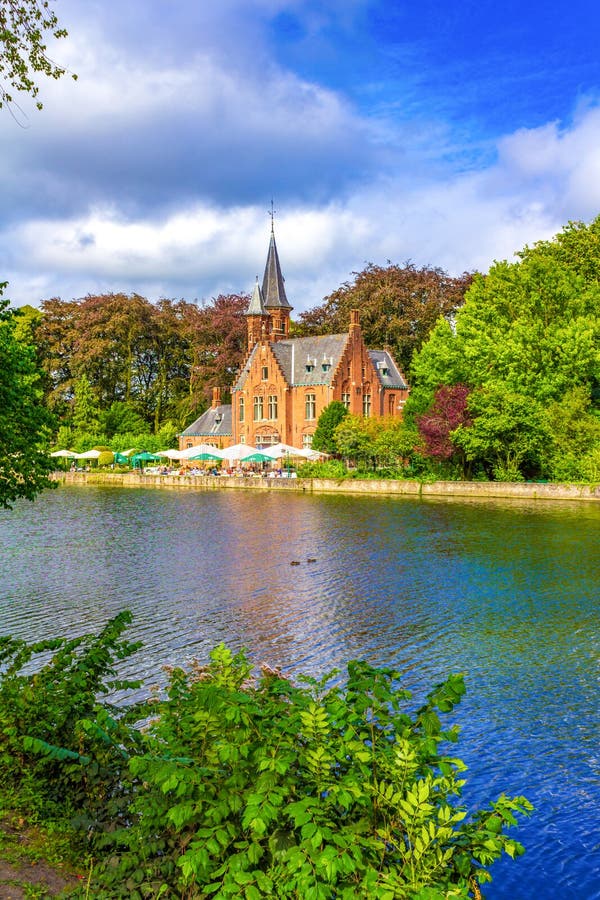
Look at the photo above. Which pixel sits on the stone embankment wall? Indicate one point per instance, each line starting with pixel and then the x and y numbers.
pixel 448 489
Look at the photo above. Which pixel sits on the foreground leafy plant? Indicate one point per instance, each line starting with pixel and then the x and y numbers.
pixel 248 786
pixel 62 748
pixel 260 788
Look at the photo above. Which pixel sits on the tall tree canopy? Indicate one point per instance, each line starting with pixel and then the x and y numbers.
pixel 399 305
pixel 526 338
pixel 25 26
pixel 158 361
pixel 24 421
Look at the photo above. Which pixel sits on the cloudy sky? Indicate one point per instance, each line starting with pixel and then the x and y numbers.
pixel 446 133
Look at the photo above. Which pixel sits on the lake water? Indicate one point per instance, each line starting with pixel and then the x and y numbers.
pixel 507 593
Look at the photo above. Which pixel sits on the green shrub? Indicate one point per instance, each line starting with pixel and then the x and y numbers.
pixel 260 788
pixel 61 747
pixel 248 786
pixel 329 468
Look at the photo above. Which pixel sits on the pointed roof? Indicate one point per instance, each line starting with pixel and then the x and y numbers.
pixel 273 285
pixel 256 307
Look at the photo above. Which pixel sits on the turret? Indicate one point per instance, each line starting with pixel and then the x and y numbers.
pixel 273 292
pixel 258 317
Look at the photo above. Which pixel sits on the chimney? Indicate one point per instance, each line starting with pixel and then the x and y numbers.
pixel 216 397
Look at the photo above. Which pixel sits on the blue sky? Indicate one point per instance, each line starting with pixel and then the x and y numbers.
pixel 450 134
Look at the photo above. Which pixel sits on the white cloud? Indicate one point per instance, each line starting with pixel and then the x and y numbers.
pixel 461 223
pixel 155 177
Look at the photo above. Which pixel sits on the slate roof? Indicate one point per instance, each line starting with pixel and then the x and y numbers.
pixel 214 422
pixel 384 363
pixel 321 353
pixel 273 289
pixel 256 307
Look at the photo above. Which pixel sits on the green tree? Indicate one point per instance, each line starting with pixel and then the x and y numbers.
pixel 85 407
pixel 575 436
pixel 508 433
pixel 529 330
pixel 395 443
pixel 354 437
pixel 25 423
pixel 330 418
pixel 121 417
pixel 24 28
pixel 27 318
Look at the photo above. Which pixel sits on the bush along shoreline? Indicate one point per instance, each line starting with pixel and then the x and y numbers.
pixel 236 783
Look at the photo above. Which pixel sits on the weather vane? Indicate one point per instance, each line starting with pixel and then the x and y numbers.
pixel 272 212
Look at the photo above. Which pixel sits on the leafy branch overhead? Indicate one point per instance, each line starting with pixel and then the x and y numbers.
pixel 25 26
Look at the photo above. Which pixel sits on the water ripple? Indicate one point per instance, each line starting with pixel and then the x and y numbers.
pixel 507 593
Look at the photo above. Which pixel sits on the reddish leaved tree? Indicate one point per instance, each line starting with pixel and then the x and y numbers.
pixel 446 413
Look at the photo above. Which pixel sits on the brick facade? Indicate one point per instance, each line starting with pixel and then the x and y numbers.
pixel 286 383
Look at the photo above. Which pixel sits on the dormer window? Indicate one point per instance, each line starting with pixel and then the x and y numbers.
pixel 326 364
pixel 383 368
pixel 311 362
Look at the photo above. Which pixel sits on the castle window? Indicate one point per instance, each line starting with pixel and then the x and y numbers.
pixel 242 409
pixel 310 406
pixel 366 405
pixel 307 440
pixel 265 373
pixel 391 404
pixel 273 406
pixel 346 400
pixel 258 409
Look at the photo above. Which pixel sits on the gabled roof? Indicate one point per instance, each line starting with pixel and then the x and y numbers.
pixel 313 360
pixel 388 373
pixel 215 421
pixel 310 360
pixel 293 355
pixel 256 307
pixel 273 289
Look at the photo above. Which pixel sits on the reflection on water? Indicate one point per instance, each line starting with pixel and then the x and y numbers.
pixel 505 592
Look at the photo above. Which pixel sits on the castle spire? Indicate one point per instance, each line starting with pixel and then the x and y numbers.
pixel 273 288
